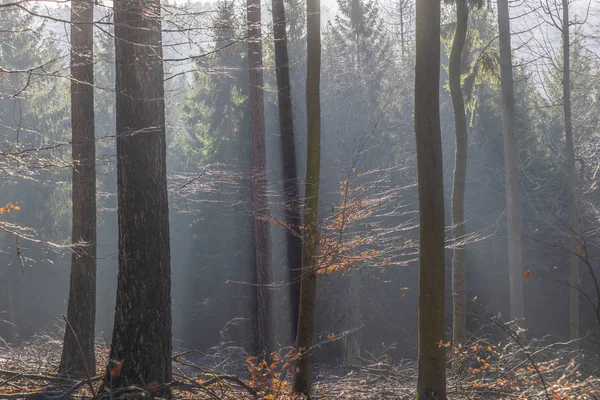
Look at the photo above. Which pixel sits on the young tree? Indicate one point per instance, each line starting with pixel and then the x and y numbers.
pixel 291 192
pixel 262 237
pixel 459 292
pixel 308 284
pixel 141 341
pixel 511 162
pixel 459 231
pixel 81 310
pixel 432 360
pixel 362 55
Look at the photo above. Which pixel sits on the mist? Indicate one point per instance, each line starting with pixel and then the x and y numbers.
pixel 368 204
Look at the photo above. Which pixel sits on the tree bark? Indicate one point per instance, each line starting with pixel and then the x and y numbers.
pixel 291 192
pixel 262 236
pixel 141 338
pixel 81 309
pixel 459 291
pixel 511 162
pixel 431 382
pixel 572 182
pixel 308 284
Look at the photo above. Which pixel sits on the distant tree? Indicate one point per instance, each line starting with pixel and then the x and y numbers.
pixel 291 191
pixel 215 109
pixel 511 162
pixel 81 311
pixel 432 359
pixel 361 43
pixel 260 206
pixel 572 178
pixel 308 285
pixel 141 341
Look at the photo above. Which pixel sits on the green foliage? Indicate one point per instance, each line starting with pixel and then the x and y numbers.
pixel 215 108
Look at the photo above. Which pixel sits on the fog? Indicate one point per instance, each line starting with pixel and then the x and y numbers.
pixel 367 295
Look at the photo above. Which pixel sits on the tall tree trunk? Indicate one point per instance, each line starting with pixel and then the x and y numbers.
pixel 432 359
pixel 459 292
pixel 511 162
pixel 291 192
pixel 262 236
pixel 572 181
pixel 81 310
pixel 352 341
pixel 308 284
pixel 141 338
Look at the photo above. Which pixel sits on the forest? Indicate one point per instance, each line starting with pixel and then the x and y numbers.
pixel 300 199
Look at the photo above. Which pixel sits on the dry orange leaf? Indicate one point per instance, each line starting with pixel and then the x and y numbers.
pixel 581 249
pixel 116 370
pixel 153 385
pixel 526 275
pixel 331 336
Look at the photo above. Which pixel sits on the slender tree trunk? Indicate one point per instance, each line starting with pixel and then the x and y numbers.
pixel 141 339
pixel 262 236
pixel 511 162
pixel 572 181
pixel 308 285
pixel 432 359
pixel 81 310
pixel 459 291
pixel 352 341
pixel 291 192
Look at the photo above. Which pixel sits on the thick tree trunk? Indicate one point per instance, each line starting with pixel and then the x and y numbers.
pixel 141 338
pixel 308 284
pixel 291 192
pixel 459 291
pixel 511 162
pixel 262 236
pixel 81 310
pixel 572 181
pixel 432 359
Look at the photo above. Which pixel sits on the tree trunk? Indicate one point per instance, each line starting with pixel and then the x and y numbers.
pixel 432 359
pixel 308 284
pixel 459 291
pixel 262 236
pixel 141 338
pixel 352 341
pixel 572 182
pixel 78 347
pixel 291 192
pixel 511 162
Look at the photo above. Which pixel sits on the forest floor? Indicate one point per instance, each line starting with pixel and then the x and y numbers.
pixel 502 371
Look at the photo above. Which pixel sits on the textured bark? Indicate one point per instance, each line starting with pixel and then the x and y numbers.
pixel 459 291
pixel 432 360
pixel 511 162
pixel 81 309
pixel 262 236
pixel 308 284
pixel 291 191
pixel 141 337
pixel 572 182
